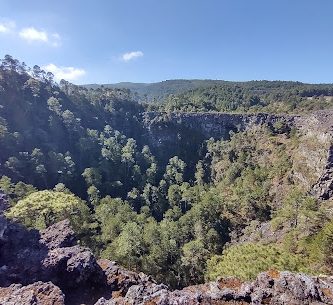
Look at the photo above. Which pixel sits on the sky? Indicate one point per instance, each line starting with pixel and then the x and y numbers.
pixel 109 41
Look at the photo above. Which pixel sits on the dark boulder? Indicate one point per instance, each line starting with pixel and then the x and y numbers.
pixel 59 235
pixel 28 256
pixel 120 279
pixel 72 266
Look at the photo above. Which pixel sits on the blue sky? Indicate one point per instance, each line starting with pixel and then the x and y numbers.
pixel 107 41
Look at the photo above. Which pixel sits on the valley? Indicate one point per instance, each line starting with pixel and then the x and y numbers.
pixel 214 181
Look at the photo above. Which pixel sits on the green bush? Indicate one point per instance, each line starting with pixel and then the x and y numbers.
pixel 44 208
pixel 245 261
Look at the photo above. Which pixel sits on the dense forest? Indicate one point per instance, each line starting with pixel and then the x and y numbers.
pixel 156 92
pixel 226 96
pixel 72 152
pixel 253 96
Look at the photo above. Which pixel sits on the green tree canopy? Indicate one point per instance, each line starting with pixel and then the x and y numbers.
pixel 44 208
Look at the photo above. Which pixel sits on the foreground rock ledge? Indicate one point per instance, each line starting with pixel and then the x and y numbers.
pixel 49 268
pixel 270 287
pixel 38 293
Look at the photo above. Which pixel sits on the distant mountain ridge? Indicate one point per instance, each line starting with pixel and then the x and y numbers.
pixel 160 90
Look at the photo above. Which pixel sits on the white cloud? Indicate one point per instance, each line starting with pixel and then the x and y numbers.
pixel 7 26
pixel 67 73
pixel 131 55
pixel 31 34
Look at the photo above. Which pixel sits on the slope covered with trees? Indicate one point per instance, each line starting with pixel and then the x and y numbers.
pixel 150 92
pixel 227 96
pixel 253 96
pixel 77 153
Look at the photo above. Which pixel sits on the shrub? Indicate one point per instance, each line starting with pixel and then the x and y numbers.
pixel 44 208
pixel 245 261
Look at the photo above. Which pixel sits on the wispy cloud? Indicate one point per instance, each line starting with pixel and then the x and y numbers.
pixel 7 26
pixel 55 40
pixel 131 55
pixel 31 34
pixel 67 73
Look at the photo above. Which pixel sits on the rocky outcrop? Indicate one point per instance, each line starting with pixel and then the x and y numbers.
pixel 63 238
pixel 38 293
pixel 218 125
pixel 273 287
pixel 73 266
pixel 163 127
pixel 323 188
pixel 30 256
pixel 3 202
pixel 318 127
pixel 120 279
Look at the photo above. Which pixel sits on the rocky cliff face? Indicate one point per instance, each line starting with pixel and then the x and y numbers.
pixel 165 127
pixel 180 133
pixel 318 128
pixel 49 268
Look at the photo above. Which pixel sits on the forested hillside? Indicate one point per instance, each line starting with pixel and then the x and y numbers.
pixel 226 96
pixel 253 96
pixel 83 154
pixel 156 92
